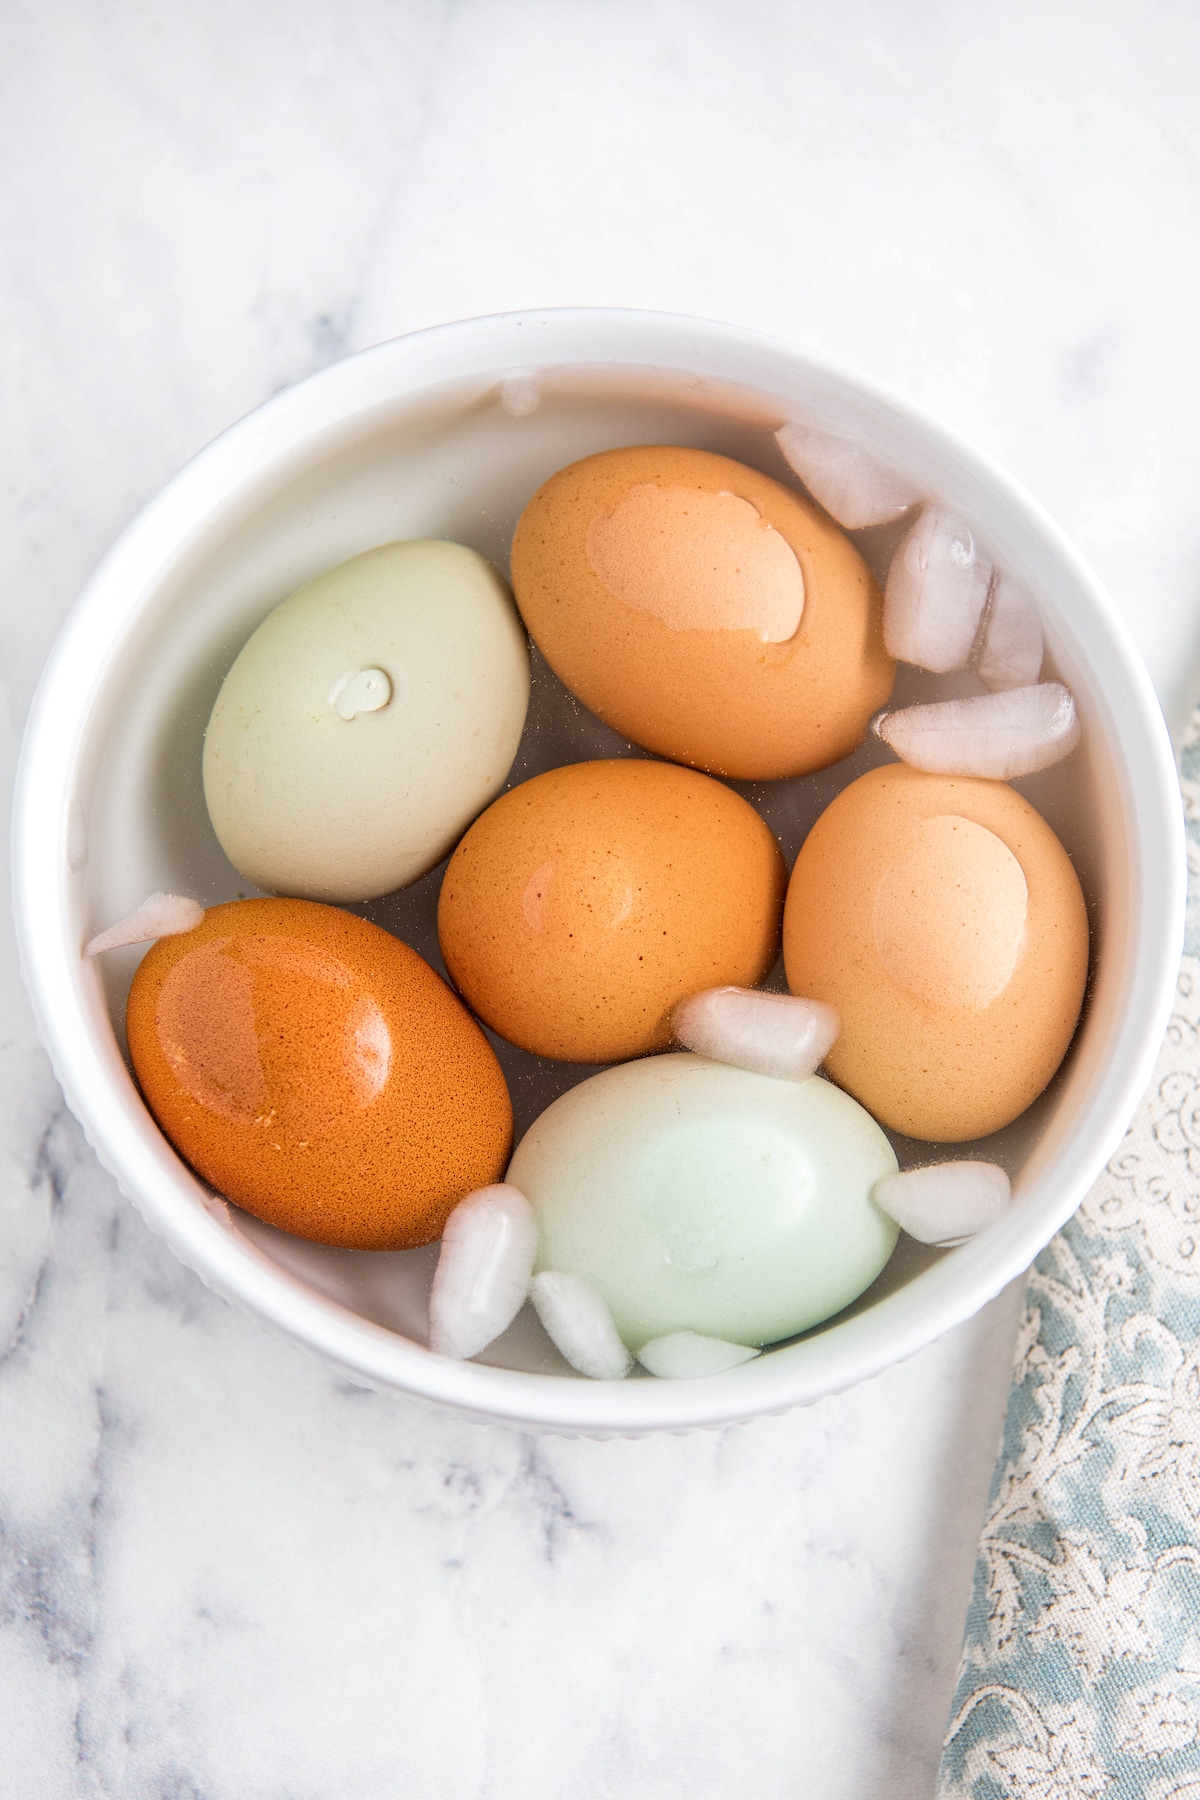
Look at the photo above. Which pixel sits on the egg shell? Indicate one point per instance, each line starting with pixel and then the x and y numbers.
pixel 583 904
pixel 698 1197
pixel 688 538
pixel 318 1072
pixel 943 919
pixel 316 789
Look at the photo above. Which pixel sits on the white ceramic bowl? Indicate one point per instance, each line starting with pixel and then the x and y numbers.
pixel 409 439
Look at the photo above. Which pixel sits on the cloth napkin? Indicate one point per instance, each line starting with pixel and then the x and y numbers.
pixel 1080 1672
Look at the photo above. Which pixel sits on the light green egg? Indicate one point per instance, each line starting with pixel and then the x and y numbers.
pixel 366 722
pixel 700 1197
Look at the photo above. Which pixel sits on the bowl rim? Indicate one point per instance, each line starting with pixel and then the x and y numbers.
pixel 97 1085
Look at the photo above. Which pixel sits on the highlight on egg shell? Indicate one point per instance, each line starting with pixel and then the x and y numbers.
pixel 585 903
pixel 942 918
pixel 316 1071
pixel 693 1196
pixel 704 610
pixel 366 722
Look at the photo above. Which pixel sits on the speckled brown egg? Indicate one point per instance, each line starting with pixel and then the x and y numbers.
pixel 704 610
pixel 942 917
pixel 318 1072
pixel 582 905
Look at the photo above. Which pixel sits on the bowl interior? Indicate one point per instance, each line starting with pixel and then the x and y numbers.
pixel 440 457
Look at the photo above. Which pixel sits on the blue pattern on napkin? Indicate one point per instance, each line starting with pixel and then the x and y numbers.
pixel 1081 1659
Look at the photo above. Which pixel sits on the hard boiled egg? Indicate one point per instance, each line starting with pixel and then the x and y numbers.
pixel 942 918
pixel 585 903
pixel 366 722
pixel 698 1197
pixel 316 1071
pixel 704 610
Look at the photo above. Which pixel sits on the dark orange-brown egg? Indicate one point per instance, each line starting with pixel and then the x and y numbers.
pixel 583 904
pixel 318 1073
pixel 711 614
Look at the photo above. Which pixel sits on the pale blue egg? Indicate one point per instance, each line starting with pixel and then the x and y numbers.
pixel 700 1197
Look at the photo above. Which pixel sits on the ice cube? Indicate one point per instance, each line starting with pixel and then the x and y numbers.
pixel 852 486
pixel 483 1271
pixel 577 1318
pixel 936 590
pixel 520 394
pixel 946 1203
pixel 1000 736
pixel 683 1355
pixel 1010 655
pixel 772 1034
pixel 159 915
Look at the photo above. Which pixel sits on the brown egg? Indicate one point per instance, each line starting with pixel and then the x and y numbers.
pixel 582 905
pixel 704 610
pixel 943 919
pixel 316 1071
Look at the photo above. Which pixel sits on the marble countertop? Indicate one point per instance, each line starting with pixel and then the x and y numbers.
pixel 224 1573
